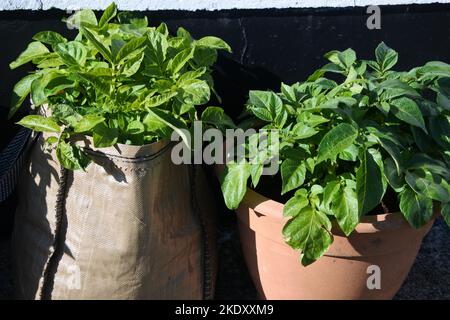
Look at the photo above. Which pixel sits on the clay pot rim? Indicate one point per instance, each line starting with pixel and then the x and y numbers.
pixel 369 224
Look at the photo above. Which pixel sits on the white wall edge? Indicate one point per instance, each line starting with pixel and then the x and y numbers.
pixel 192 5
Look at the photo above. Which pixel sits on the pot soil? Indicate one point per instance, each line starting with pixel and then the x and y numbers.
pixel 131 227
pixel 384 240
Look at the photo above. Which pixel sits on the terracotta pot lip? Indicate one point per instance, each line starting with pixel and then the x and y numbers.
pixel 369 224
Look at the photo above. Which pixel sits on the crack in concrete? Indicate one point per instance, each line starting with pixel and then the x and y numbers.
pixel 244 37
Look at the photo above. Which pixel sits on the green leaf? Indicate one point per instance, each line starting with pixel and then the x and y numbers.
pixel 350 154
pixel 266 105
pixel 183 33
pixel 130 49
pixel 303 131
pixel 172 122
pixel 156 49
pixel 40 123
pixel 440 130
pixel 50 63
pixel 101 83
pixel 423 161
pixel 395 179
pixel 309 232
pixel 195 91
pixel 158 100
pixel 73 53
pixel 49 37
pixel 416 208
pixel 135 127
pixel 38 95
pixel 369 183
pixel 213 43
pixel 163 29
pixel 434 69
pixel 51 140
pixel 217 117
pixel 179 61
pixel 429 185
pixel 195 74
pixel 335 141
pixel 58 85
pixel 311 119
pixel 71 157
pixel 329 192
pixel 82 18
pixel 424 142
pixel 292 174
pixel 348 57
pixel 393 151
pixel 132 66
pixel 234 183
pixel 336 102
pixel 443 101
pixel 65 114
pixel 444 86
pixel 134 18
pixel 20 93
pixel 393 88
pixel 88 122
pixel 408 111
pixel 116 44
pixel 310 164
pixel 109 13
pixel 205 57
pixel 154 125
pixel 289 93
pixel 294 205
pixel 445 212
pixel 386 57
pixel 98 44
pixel 256 173
pixel 345 209
pixel 344 59
pixel 33 51
pixel 104 136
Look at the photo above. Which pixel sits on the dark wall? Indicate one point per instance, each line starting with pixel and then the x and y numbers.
pixel 269 46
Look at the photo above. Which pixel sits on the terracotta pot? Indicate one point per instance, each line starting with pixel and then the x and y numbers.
pixel 384 240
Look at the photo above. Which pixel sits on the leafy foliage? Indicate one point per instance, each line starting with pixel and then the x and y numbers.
pixel 119 81
pixel 344 143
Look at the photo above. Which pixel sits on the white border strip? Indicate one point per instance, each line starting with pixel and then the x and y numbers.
pixel 192 5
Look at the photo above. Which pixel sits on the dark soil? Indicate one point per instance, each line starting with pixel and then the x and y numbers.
pixel 270 187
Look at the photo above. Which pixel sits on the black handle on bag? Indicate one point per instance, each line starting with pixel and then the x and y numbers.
pixel 12 158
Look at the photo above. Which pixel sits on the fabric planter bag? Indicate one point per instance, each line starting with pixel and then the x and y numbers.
pixel 131 227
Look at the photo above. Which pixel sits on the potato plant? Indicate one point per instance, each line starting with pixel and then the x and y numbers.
pixel 344 143
pixel 118 81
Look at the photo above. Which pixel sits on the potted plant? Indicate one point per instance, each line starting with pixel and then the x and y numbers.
pixel 120 220
pixel 364 165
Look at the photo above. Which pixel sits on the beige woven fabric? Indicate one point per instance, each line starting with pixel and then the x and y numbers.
pixel 130 231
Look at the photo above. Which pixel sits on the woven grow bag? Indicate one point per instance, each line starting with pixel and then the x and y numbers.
pixel 131 227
